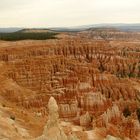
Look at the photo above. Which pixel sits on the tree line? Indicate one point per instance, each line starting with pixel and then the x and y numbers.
pixel 24 36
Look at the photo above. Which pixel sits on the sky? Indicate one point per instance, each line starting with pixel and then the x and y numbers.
pixel 67 13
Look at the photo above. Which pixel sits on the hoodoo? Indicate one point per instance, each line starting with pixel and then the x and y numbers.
pixel 53 130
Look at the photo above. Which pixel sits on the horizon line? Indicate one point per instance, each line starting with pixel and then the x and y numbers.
pixel 76 26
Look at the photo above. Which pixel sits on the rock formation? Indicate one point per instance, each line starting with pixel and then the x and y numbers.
pixel 85 119
pixel 53 130
pixel 112 138
pixel 94 71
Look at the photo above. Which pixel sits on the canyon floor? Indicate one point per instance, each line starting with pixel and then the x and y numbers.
pixel 93 75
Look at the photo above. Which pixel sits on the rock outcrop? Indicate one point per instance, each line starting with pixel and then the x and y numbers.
pixel 85 120
pixel 53 130
pixel 111 138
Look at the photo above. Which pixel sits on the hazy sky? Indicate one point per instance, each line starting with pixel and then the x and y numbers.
pixel 54 13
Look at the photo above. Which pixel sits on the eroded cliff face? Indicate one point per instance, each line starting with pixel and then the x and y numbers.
pixel 92 79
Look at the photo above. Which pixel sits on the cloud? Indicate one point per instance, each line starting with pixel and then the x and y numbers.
pixel 42 13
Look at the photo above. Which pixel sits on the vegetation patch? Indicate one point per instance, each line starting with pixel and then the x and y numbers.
pixel 138 114
pixel 126 112
pixel 12 117
pixel 27 36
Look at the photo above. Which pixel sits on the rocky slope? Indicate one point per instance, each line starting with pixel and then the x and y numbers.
pixel 95 81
